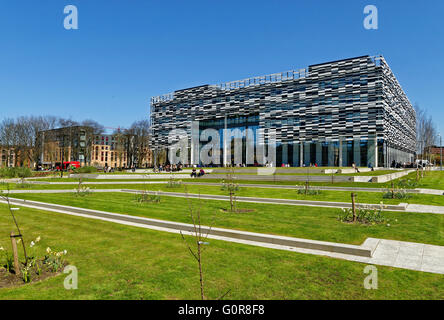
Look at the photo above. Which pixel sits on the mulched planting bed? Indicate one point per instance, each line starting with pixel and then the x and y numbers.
pixel 10 279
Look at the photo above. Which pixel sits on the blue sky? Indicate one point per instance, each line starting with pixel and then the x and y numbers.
pixel 124 52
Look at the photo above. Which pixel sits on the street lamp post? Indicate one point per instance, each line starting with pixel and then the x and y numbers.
pixel 440 151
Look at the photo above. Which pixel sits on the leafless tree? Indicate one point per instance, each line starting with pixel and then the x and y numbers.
pixel 140 130
pixel 426 131
pixel 7 138
pixel 119 147
pixel 96 128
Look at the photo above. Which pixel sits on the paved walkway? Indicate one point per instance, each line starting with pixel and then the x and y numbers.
pixel 398 254
pixel 406 255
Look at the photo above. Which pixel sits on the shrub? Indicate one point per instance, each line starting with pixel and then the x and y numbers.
pixel 364 215
pixel 173 183
pixel 229 186
pixel 15 172
pixel 395 193
pixel 87 169
pixel 147 197
pixel 8 262
pixel 23 172
pixel 42 173
pixel 7 173
pixel 407 183
pixel 23 185
pixel 309 191
pixel 54 260
pixel 82 191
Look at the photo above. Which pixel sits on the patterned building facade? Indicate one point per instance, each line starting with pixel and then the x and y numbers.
pixel 332 114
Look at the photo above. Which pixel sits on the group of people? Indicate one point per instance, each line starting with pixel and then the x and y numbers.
pixel 194 173
pixel 169 168
pixel 108 169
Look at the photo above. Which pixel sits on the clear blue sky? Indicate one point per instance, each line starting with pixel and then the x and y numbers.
pixel 124 52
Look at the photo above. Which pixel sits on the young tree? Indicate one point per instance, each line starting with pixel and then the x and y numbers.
pixel 196 246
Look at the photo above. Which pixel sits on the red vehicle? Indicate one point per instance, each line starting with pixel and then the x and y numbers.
pixel 67 165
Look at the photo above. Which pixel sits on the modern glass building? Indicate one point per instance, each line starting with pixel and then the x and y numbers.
pixel 332 114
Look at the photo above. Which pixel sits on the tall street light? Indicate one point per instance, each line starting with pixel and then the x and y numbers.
pixel 440 151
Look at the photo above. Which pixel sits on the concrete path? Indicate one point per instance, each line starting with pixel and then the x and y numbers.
pixel 422 208
pixel 406 255
pixel 398 254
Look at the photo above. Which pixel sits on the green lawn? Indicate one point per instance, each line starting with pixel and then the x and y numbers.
pixel 337 196
pixel 432 180
pixel 122 262
pixel 303 222
pixel 208 178
pixel 315 172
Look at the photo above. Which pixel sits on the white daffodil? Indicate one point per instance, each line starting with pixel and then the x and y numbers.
pixel 32 244
pixel 48 250
pixel 38 239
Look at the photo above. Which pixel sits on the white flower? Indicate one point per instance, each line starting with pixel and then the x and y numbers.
pixel 38 239
pixel 65 251
pixel 48 250
pixel 32 244
pixel 388 224
pixel 2 249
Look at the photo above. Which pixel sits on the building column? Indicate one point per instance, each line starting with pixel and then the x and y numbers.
pixel 301 153
pixel 319 153
pixel 340 152
pixel 372 151
pixel 296 159
pixel 331 154
pixel 345 162
pixel 357 152
pixel 284 152
pixel 307 153
pixel 224 156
